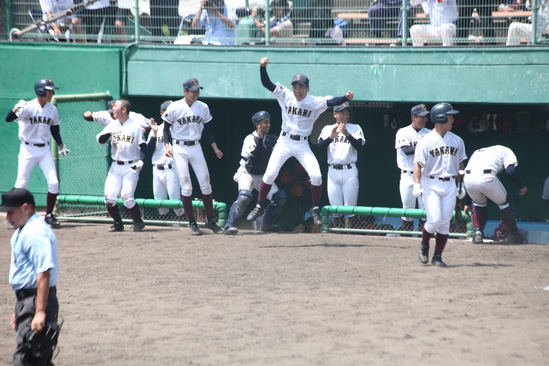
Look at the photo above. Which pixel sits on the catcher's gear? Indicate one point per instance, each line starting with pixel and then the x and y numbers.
pixel 273 210
pixel 138 166
pixel 39 346
pixel 64 151
pixel 269 141
pixel 238 208
pixel 19 107
pixel 417 190
pixel 42 85
pixel 259 116
pixel 460 192
pixel 439 112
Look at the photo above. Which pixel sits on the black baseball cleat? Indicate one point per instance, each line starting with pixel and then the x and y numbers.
pixel 194 229
pixel 118 226
pixel 51 220
pixel 477 238
pixel 274 228
pixel 437 261
pixel 423 254
pixel 212 225
pixel 138 226
pixel 231 230
pixel 315 213
pixel 515 238
pixel 256 212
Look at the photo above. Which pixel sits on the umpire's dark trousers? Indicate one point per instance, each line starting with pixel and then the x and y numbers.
pixel 24 313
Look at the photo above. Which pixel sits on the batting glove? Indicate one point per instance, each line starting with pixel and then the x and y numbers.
pixel 64 151
pixel 460 193
pixel 417 191
pixel 138 166
pixel 19 107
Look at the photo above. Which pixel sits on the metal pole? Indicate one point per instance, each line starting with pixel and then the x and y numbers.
pixel 267 23
pixel 535 21
pixel 137 21
pixel 404 22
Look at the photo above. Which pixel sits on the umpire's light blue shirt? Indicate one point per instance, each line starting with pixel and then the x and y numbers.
pixel 33 251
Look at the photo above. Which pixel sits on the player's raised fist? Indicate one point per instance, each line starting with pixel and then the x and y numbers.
pixel 264 61
pixel 350 95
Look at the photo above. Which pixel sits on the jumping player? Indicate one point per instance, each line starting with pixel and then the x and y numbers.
pixel 165 181
pixel 438 159
pixel 128 149
pixel 38 120
pixel 405 144
pixel 256 151
pixel 185 122
pixel 342 140
pixel 482 183
pixel 299 113
pixel 105 117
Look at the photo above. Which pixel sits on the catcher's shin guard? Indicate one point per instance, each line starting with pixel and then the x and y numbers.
pixel 239 207
pixel 274 208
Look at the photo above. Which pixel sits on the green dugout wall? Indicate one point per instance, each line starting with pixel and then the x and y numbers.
pixel 386 82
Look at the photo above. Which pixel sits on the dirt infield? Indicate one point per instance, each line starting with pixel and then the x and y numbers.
pixel 162 297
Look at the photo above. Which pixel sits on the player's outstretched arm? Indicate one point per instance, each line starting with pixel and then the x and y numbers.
pixel 265 80
pixel 88 116
pixel 340 100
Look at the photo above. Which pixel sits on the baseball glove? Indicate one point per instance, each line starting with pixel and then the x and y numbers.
pixel 39 346
pixel 269 141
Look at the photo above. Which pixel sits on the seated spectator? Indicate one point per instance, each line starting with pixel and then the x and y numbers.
pixel 281 25
pixel 126 8
pixel 380 12
pixel 94 17
pixel 441 27
pixel 164 18
pixel 484 9
pixel 220 21
pixel 518 31
pixel 50 7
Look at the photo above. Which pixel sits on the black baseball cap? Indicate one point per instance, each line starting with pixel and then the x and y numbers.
pixel 165 105
pixel 192 85
pixel 14 198
pixel 110 105
pixel 300 79
pixel 420 110
pixel 339 108
pixel 260 116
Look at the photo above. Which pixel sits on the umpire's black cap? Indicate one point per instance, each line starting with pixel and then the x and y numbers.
pixel 14 198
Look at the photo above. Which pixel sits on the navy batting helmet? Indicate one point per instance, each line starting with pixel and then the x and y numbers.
pixel 41 85
pixel 259 116
pixel 439 112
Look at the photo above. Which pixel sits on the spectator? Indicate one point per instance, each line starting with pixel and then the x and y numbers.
pixel 380 12
pixel 518 31
pixel 220 21
pixel 484 10
pixel 94 16
pixel 442 16
pixel 50 7
pixel 125 10
pixel 280 25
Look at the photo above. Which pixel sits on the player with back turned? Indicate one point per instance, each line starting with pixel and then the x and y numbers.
pixel 299 113
pixel 38 121
pixel 438 159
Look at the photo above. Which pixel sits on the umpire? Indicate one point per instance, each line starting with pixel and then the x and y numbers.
pixel 33 275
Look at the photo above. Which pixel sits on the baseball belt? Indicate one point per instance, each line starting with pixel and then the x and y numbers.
pixel 163 166
pixel 341 166
pixel 120 162
pixel 485 171
pixel 407 172
pixel 187 143
pixel 37 145
pixel 446 179
pixel 24 293
pixel 295 137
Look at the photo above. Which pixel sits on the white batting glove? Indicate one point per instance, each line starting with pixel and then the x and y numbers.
pixel 417 191
pixel 64 151
pixel 19 107
pixel 138 166
pixel 460 193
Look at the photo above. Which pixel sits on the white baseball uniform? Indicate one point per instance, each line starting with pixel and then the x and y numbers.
pixel 408 136
pixel 342 171
pixel 104 118
pixel 481 179
pixel 298 118
pixel 439 156
pixel 54 6
pixel 245 180
pixel 125 152
pixel 165 180
pixel 35 124
pixel 187 123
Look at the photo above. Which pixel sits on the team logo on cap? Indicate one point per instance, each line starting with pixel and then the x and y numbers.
pixel 298 77
pixel 195 81
pixel 51 82
pixel 423 106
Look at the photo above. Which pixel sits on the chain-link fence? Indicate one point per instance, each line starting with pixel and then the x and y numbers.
pixel 83 172
pixel 282 22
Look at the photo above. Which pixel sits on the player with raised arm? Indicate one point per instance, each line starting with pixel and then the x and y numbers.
pixel 299 113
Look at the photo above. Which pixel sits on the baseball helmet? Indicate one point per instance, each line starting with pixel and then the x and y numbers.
pixel 41 85
pixel 259 116
pixel 439 112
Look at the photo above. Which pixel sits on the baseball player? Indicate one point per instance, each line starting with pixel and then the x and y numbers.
pixel 342 140
pixel 256 151
pixel 185 122
pixel 482 183
pixel 299 113
pixel 105 117
pixel 128 149
pixel 38 120
pixel 165 181
pixel 405 145
pixel 438 159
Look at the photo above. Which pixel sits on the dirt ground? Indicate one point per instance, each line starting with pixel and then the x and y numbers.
pixel 162 297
